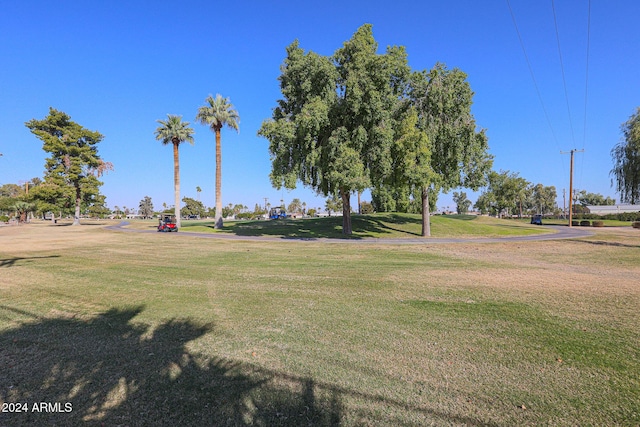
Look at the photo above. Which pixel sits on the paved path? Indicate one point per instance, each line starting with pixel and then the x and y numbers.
pixel 560 232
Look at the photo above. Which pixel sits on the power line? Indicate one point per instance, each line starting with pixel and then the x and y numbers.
pixel 586 87
pixel 564 81
pixel 586 79
pixel 535 84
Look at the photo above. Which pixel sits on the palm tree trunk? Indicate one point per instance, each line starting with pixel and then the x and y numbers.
pixel 176 184
pixel 218 218
pixel 426 220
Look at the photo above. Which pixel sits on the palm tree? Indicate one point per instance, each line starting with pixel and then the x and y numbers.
pixel 217 113
pixel 198 189
pixel 22 208
pixel 175 131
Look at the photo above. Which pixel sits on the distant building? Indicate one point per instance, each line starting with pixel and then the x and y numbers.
pixel 615 209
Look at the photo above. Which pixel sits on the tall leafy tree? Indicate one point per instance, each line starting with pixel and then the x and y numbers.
pixel 98 207
pixel 626 161
pixel 145 207
pixel 217 113
pixel 333 129
pixel 74 161
pixel 543 198
pixel 503 194
pixel 411 171
pixel 174 131
pixel 192 207
pixel 459 152
pixel 462 202
pixel 595 199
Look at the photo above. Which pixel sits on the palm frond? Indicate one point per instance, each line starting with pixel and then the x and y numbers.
pixel 174 130
pixel 218 112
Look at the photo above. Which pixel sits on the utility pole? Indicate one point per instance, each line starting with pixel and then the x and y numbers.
pixel 571 184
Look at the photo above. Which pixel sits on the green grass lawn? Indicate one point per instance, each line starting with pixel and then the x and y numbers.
pixel 166 329
pixel 387 225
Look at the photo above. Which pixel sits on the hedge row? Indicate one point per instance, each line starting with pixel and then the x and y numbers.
pixel 586 223
pixel 627 216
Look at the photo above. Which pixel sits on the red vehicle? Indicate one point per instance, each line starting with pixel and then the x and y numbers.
pixel 167 224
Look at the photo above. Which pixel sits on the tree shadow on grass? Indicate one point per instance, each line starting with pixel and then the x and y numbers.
pixel 604 243
pixel 11 262
pixel 304 229
pixel 369 224
pixel 107 370
pixel 364 226
pixel 461 217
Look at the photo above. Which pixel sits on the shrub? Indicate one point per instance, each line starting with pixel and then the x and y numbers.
pixel 636 224
pixel 575 223
pixel 585 223
pixel 244 215
pixel 597 224
pixel 366 208
pixel 4 218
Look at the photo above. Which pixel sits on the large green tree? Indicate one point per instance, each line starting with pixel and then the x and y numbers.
pixel 411 173
pixel 626 161
pixel 504 193
pixel 217 113
pixel 543 199
pixel 192 207
pixel 174 131
pixel 74 161
pixel 459 151
pixel 333 129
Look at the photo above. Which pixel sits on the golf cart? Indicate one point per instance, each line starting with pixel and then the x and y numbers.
pixel 536 219
pixel 277 213
pixel 167 223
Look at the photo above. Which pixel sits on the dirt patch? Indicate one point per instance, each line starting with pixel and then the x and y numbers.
pixel 44 236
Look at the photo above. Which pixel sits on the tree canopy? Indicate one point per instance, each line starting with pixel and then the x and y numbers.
pixel 594 199
pixel 626 161
pixel 506 192
pixel 333 129
pixel 74 166
pixel 459 152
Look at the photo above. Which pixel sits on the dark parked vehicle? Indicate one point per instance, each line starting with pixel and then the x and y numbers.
pixel 536 219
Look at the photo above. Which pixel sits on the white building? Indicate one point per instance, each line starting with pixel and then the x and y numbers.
pixel 615 209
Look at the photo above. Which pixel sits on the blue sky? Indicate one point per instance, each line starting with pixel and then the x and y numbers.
pixel 117 67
